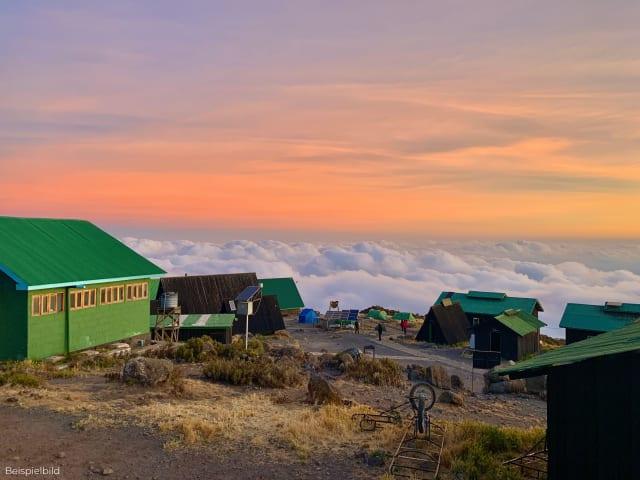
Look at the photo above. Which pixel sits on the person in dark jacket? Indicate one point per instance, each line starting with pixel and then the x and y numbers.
pixel 380 329
pixel 356 326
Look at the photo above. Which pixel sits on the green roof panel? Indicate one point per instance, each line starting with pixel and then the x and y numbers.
pixel 40 253
pixel 194 321
pixel 520 322
pixel 599 318
pixel 285 289
pixel 490 303
pixel 625 339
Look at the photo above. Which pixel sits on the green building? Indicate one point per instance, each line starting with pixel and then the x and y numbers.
pixel 582 321
pixel 66 285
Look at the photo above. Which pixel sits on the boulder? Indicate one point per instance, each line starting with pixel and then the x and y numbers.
pixel 508 386
pixel 147 371
pixel 453 398
pixel 416 373
pixel 321 392
pixel 345 361
pixel 353 352
pixel 456 382
pixel 438 376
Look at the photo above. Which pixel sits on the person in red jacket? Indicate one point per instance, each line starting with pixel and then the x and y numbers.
pixel 404 324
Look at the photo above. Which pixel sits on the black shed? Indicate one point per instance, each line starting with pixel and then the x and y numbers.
pixel 593 412
pixel 445 324
pixel 208 294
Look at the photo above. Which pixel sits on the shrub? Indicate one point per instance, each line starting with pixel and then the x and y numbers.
pixel 198 349
pixel 376 371
pixel 476 451
pixel 20 378
pixel 261 371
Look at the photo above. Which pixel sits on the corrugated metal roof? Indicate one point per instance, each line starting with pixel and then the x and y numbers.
pixel 490 303
pixel 622 340
pixel 215 320
pixel 42 252
pixel 520 322
pixel 285 289
pixel 599 318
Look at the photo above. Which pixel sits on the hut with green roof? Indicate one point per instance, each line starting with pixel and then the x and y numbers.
pixel 499 322
pixel 66 285
pixel 593 413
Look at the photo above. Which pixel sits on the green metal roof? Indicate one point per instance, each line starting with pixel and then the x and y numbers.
pixel 520 322
pixel 490 303
pixel 45 253
pixel 622 340
pixel 286 291
pixel 599 318
pixel 404 316
pixel 213 321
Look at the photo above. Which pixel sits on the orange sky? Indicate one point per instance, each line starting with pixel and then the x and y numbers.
pixel 439 124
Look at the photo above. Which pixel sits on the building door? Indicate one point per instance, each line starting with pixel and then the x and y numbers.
pixel 496 343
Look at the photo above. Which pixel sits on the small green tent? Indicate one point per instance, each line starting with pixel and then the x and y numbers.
pixel 377 314
pixel 404 316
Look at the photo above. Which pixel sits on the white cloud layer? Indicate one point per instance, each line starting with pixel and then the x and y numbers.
pixel 410 278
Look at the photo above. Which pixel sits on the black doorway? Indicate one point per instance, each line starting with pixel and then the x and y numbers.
pixel 496 343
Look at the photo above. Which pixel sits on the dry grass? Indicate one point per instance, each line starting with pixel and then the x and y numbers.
pixel 263 372
pixel 376 371
pixel 475 451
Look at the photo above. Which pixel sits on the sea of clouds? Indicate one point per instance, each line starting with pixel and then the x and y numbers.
pixel 411 277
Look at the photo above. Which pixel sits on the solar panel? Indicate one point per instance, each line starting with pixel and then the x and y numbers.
pixel 332 315
pixel 248 294
pixel 353 315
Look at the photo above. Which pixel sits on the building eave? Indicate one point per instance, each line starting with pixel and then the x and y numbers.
pixel 82 283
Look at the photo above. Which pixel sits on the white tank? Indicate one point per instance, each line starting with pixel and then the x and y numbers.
pixel 169 300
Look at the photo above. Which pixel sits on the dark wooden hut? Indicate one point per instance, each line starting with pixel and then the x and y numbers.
pixel 499 322
pixel 593 413
pixel 445 324
pixel 208 294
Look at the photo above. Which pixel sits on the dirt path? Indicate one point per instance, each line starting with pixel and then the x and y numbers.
pixel 33 437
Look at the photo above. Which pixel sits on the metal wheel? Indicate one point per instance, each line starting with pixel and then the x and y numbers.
pixel 425 392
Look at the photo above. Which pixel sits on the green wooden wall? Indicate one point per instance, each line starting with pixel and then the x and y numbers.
pixel 25 336
pixel 107 323
pixel 13 320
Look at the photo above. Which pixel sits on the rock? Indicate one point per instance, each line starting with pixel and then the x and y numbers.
pixel 375 460
pixel 508 386
pixel 456 382
pixel 438 376
pixel 453 398
pixel 12 400
pixel 345 361
pixel 106 471
pixel 55 359
pixel 89 353
pixel 321 392
pixel 61 455
pixel 147 371
pixel 511 362
pixel 353 352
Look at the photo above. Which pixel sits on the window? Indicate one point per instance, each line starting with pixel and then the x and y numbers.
pixel 137 291
pixel 109 295
pixel 82 299
pixel 47 304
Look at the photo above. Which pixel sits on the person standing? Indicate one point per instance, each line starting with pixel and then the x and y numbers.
pixel 404 324
pixel 379 329
pixel 356 326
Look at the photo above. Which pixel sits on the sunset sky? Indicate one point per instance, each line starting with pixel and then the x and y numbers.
pixel 303 120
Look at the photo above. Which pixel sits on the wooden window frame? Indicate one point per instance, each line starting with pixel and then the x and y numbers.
pixel 77 299
pixel 48 299
pixel 111 295
pixel 137 291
